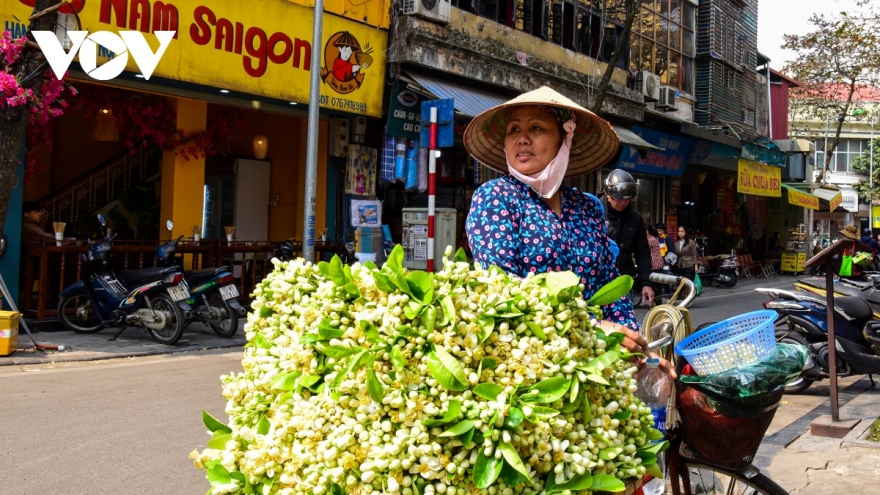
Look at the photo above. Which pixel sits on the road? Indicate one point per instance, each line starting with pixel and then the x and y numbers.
pixel 126 426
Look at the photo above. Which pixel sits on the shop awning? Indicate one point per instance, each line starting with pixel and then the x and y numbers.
pixel 631 139
pixel 468 101
pixel 801 198
pixel 830 199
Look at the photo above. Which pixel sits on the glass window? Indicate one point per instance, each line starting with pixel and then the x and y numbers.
pixel 688 17
pixel 674 70
pixel 648 24
pixel 687 75
pixel 675 36
pixel 661 64
pixel 663 7
pixel 687 43
pixel 647 54
pixel 635 59
pixel 675 11
pixel 840 160
pixel 663 31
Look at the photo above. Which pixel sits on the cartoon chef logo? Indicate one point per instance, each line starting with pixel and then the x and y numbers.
pixel 344 62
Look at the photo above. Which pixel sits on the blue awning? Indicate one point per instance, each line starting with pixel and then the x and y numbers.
pixel 468 101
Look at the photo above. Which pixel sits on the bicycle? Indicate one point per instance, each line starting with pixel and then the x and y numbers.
pixel 689 470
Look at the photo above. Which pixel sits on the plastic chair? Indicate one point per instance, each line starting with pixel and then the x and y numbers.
pixel 744 261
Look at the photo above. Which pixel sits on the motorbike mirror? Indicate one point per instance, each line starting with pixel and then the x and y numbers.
pixel 102 220
pixel 169 225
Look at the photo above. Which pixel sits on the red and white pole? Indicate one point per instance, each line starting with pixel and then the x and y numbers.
pixel 432 185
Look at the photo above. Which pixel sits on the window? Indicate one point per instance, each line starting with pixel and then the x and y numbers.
pixel 847 150
pixel 666 46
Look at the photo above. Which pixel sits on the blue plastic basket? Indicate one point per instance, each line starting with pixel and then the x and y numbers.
pixel 739 341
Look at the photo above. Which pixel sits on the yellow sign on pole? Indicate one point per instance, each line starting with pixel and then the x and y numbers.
pixel 875 217
pixel 258 47
pixel 759 180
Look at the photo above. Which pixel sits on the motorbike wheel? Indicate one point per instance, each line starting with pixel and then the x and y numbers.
pixel 174 320
pixel 709 479
pixel 76 313
pixel 728 284
pixel 228 326
pixel 786 337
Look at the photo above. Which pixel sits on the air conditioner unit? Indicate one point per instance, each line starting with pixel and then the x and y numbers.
pixel 339 137
pixel 667 99
pixel 433 10
pixel 648 84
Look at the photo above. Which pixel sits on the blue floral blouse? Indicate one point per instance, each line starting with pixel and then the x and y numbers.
pixel 512 227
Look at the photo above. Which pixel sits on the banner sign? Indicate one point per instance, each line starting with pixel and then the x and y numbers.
pixel 760 180
pixel 760 154
pixel 805 200
pixel 875 217
pixel 670 162
pixel 260 47
pixel 850 200
pixel 405 113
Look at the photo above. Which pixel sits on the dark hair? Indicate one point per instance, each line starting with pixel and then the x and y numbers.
pixel 687 232
pixel 652 231
pixel 660 226
pixel 29 206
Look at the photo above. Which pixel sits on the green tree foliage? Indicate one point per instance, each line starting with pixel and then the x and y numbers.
pixel 863 165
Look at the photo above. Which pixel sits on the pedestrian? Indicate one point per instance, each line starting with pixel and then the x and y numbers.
pixel 32 224
pixel 657 261
pixel 626 227
pixel 667 245
pixel 687 254
pixel 527 222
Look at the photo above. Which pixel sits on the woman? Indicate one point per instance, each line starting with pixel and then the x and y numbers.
pixel 657 262
pixel 687 254
pixel 526 222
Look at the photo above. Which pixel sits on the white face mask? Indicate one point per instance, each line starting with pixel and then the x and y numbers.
pixel 547 181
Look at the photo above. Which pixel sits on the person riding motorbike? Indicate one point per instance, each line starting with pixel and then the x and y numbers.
pixel 626 227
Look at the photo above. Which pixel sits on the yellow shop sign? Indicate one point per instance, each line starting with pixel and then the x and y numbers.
pixel 760 180
pixel 259 47
pixel 800 198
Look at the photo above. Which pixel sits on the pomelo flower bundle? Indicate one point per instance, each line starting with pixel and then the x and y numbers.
pixel 361 380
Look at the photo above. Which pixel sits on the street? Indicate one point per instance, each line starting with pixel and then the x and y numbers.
pixel 126 426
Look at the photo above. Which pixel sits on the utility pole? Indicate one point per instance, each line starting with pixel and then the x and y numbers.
pixel 308 244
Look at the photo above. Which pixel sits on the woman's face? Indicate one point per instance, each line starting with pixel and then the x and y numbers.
pixel 681 233
pixel 532 140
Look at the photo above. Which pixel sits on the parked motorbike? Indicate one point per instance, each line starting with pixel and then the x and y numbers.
pixel 212 292
pixel 803 320
pixel 845 287
pixel 724 271
pixel 148 298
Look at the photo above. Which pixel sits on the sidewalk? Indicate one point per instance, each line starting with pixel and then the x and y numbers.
pixel 88 347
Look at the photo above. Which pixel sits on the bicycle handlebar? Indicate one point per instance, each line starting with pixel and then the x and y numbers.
pixel 661 278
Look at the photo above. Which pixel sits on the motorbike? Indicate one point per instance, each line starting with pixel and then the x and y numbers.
pixel 148 298
pixel 845 287
pixel 803 320
pixel 724 271
pixel 212 292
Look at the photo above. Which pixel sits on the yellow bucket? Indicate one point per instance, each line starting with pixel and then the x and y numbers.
pixel 8 332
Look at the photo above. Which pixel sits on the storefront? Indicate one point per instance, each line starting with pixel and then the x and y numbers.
pixel 250 60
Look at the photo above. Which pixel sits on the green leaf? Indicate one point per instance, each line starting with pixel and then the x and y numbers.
pixel 460 256
pixel 395 259
pixel 452 413
pixel 593 377
pixel 218 442
pixel 340 351
pixel 487 326
pixel 623 415
pixel 486 363
pixel 324 268
pixel 460 428
pixel 540 413
pixel 512 457
pixel 550 389
pixel 421 284
pixel 448 308
pixel 218 475
pixel 335 272
pixel 572 406
pixel 612 339
pixel 468 437
pixel 266 312
pixel 654 434
pixel 612 291
pixel 574 389
pixel 399 281
pixel 352 290
pixel 514 417
pixel 429 316
pixel 351 365
pixel 327 331
pixel 578 482
pixel 610 453
pixel 646 457
pixel 607 483
pixel 488 391
pixel 604 361
pixel 557 281
pixel 285 381
pixel 306 381
pixel 383 283
pixel 412 309
pixel 654 470
pixel 261 342
pixel 213 424
pixel 511 476
pixel 397 359
pixel 264 426
pixel 374 386
pixel 447 370
pixel 370 266
pixel 537 330
pixel 486 470
pixel 655 448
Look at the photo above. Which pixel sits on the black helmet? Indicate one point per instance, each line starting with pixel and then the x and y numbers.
pixel 284 251
pixel 866 232
pixel 621 185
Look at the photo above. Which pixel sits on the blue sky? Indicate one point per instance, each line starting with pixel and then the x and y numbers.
pixel 779 17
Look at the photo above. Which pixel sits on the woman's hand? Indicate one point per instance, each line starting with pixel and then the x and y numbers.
pixel 635 343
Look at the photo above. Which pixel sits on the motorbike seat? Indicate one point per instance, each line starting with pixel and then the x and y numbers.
pixel 143 276
pixel 195 277
pixel 855 307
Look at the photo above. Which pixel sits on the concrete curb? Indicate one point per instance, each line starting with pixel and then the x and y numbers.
pixel 58 356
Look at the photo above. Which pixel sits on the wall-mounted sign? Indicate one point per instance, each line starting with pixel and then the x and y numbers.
pixel 405 114
pixel 850 199
pixel 760 180
pixel 670 162
pixel 760 154
pixel 799 198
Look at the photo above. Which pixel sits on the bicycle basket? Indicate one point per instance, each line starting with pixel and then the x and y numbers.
pixel 720 428
pixel 738 341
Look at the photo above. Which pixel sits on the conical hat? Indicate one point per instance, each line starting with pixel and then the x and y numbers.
pixel 346 39
pixel 594 142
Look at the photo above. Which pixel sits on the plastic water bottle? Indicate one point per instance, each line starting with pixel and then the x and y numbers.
pixel 654 389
